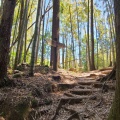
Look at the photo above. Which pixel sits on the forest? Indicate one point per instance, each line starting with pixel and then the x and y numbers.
pixel 59 60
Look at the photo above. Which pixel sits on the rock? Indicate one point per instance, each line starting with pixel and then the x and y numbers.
pixel 22 66
pixel 17 75
pixel 49 87
pixel 1 118
pixel 16 71
pixel 56 78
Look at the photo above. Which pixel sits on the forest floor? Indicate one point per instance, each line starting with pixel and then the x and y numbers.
pixel 62 95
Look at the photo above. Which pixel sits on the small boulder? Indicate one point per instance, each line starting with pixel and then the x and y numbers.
pixel 17 75
pixel 56 78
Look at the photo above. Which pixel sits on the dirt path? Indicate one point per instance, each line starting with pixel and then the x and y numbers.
pixel 86 101
pixel 81 97
pixel 63 95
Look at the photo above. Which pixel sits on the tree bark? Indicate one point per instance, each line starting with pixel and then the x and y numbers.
pixel 88 41
pixel 79 34
pixel 55 32
pixel 5 34
pixel 72 38
pixel 115 109
pixel 32 62
pixel 92 64
pixel 19 34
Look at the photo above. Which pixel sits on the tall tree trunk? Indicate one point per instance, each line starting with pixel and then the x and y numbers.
pixel 115 110
pixel 66 51
pixel 19 34
pixel 42 53
pixel 63 53
pixel 31 72
pixel 92 66
pixel 38 47
pixel 14 34
pixel 72 39
pixel 5 34
pixel 86 60
pixel 88 41
pixel 55 32
pixel 96 41
pixel 79 34
pixel 25 30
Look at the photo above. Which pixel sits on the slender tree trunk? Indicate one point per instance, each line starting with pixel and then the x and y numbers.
pixel 42 53
pixel 96 41
pixel 5 34
pixel 19 34
pixel 25 30
pixel 72 39
pixel 79 34
pixel 43 47
pixel 88 41
pixel 92 66
pixel 86 66
pixel 32 62
pixel 63 53
pixel 38 37
pixel 66 56
pixel 38 42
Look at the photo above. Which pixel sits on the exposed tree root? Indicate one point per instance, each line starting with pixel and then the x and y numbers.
pixel 110 76
pixel 70 100
pixel 86 83
pixel 64 86
pixel 57 110
pixel 74 114
pixel 82 91
pixel 6 82
pixel 69 94
pixel 99 103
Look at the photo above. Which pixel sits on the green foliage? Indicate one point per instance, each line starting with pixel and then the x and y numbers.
pixel 101 23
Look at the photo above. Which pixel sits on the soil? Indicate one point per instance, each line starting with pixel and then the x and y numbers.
pixel 62 95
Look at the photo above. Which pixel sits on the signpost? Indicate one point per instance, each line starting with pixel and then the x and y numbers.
pixel 55 44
